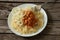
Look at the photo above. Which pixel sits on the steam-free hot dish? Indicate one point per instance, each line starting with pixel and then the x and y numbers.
pixel 27 20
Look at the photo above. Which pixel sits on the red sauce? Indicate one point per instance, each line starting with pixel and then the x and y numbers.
pixel 29 18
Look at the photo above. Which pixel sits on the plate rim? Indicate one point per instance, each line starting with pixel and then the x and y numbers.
pixel 27 35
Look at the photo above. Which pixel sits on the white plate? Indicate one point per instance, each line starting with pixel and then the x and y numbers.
pixel 28 35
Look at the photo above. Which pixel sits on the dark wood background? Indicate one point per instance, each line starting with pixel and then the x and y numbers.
pixel 52 30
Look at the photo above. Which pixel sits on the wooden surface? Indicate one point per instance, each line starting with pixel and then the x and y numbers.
pixel 52 30
pixel 30 0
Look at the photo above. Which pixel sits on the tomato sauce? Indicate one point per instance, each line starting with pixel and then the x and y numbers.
pixel 29 18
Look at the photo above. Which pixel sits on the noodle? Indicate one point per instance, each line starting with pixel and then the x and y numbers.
pixel 18 25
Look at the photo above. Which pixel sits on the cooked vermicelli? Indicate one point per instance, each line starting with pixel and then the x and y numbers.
pixel 19 25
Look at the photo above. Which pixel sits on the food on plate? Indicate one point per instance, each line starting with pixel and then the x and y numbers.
pixel 27 20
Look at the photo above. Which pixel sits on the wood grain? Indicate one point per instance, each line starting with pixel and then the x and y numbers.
pixel 30 0
pixel 52 10
pixel 53 27
pixel 38 37
pixel 52 30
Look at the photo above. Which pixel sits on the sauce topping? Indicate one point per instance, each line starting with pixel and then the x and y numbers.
pixel 29 18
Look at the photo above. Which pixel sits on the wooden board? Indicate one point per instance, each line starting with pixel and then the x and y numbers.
pixel 52 10
pixel 53 13
pixel 52 30
pixel 29 0
pixel 53 27
pixel 37 37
